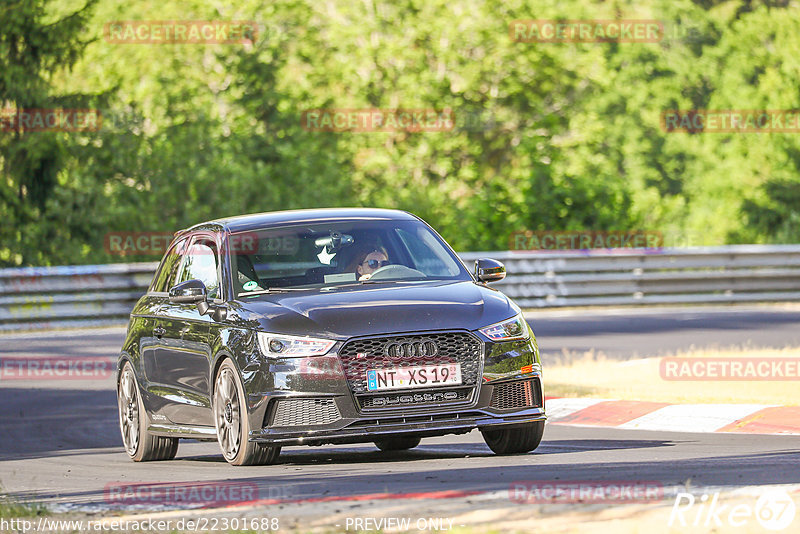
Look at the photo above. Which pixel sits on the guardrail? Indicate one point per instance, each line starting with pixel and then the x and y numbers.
pixel 52 297
pixel 734 273
pixel 63 297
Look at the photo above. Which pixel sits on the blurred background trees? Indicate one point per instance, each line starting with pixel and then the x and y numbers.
pixel 548 136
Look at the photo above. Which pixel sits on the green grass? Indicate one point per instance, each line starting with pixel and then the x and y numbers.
pixel 10 507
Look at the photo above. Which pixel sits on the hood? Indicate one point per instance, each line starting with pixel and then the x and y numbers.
pixel 348 311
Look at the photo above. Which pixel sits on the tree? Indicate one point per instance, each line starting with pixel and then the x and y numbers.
pixel 34 44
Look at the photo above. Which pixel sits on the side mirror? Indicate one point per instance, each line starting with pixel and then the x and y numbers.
pixel 195 292
pixel 190 292
pixel 488 270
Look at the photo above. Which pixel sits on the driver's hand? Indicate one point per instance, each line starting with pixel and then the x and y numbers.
pixel 365 277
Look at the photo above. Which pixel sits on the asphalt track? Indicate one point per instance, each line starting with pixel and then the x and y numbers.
pixel 626 333
pixel 60 442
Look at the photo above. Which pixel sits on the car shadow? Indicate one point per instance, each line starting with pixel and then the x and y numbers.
pixel 367 453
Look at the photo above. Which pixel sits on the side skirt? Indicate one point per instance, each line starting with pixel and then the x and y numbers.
pixel 206 433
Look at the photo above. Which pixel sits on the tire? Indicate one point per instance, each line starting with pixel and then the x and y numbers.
pixel 233 424
pixel 141 445
pixel 517 440
pixel 397 444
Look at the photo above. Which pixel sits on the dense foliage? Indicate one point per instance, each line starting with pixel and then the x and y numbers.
pixel 548 136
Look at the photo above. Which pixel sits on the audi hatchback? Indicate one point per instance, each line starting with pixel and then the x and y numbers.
pixel 318 327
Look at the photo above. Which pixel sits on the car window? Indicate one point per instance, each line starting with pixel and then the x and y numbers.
pixel 201 263
pixel 168 270
pixel 428 255
pixel 340 252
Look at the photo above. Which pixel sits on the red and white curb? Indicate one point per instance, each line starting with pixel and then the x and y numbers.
pixel 404 503
pixel 639 415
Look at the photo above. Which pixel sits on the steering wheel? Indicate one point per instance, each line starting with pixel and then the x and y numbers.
pixel 395 271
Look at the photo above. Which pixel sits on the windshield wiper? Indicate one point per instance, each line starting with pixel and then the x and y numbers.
pixel 383 280
pixel 272 290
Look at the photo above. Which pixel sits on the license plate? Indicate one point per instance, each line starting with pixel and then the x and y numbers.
pixel 414 377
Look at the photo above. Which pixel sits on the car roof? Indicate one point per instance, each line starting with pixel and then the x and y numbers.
pixel 254 221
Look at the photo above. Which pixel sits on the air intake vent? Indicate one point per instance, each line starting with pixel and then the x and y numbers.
pixel 519 394
pixel 305 412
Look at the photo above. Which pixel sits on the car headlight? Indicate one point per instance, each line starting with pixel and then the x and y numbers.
pixel 508 330
pixel 282 346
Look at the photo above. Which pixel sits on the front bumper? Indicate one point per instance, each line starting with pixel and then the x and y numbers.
pixel 367 430
pixel 312 403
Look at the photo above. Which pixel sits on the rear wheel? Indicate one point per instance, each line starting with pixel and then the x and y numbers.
pixel 517 440
pixel 397 444
pixel 233 425
pixel 141 445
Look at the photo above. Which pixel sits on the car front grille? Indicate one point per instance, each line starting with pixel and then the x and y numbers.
pixel 360 355
pixel 518 394
pixel 305 412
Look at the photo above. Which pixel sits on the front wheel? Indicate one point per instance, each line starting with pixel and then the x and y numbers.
pixel 233 425
pixel 517 440
pixel 141 445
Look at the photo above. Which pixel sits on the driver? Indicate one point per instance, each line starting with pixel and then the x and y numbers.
pixel 370 261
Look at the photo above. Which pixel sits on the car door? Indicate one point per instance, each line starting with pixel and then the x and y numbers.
pixel 152 331
pixel 184 355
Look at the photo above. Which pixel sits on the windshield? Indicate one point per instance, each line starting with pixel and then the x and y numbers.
pixel 340 252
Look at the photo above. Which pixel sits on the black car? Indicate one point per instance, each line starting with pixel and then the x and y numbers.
pixel 317 327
